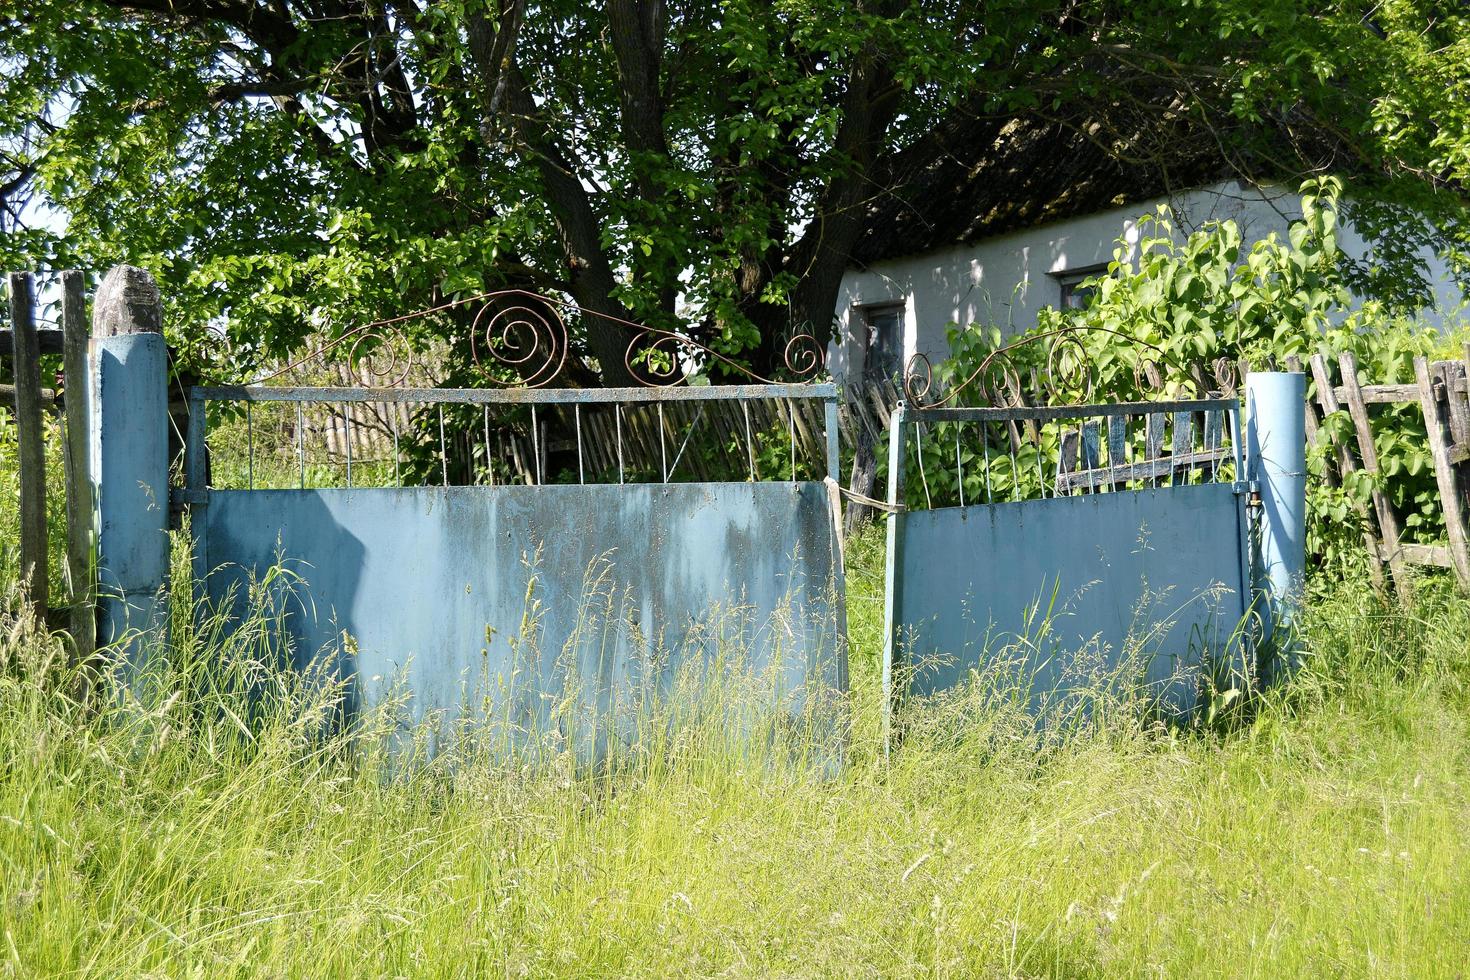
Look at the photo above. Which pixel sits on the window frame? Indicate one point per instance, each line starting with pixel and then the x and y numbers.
pixel 869 312
pixel 1069 279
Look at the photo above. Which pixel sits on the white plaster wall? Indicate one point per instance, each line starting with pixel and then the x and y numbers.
pixel 1005 280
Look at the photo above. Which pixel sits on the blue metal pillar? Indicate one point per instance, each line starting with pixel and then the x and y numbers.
pixel 128 457
pixel 1276 444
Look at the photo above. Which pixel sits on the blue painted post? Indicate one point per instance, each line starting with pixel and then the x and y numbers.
pixel 1276 444
pixel 128 457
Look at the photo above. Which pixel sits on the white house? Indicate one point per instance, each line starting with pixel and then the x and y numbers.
pixel 902 298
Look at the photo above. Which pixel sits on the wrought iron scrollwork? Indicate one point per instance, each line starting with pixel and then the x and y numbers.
pixel 527 336
pixel 525 333
pixel 654 356
pixel 1068 369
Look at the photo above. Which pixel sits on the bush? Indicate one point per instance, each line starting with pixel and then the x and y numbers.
pixel 1185 310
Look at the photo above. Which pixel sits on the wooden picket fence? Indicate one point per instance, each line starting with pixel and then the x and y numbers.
pixel 24 344
pixel 1439 389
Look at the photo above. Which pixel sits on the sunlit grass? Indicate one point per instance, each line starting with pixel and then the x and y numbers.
pixel 192 829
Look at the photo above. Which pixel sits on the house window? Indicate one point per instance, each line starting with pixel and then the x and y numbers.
pixel 1072 295
pixel 883 345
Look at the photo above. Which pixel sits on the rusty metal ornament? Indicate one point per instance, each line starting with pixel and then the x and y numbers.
pixel 525 332
pixel 997 380
pixel 521 337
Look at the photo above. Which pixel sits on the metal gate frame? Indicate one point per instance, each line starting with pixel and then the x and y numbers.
pixel 905 419
pixel 197 494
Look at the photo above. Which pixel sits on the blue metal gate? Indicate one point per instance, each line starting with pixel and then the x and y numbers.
pixel 1072 549
pixel 561 611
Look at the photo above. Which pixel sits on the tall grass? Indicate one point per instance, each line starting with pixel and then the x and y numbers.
pixel 213 821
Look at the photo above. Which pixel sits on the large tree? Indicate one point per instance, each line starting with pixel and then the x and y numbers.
pixel 295 166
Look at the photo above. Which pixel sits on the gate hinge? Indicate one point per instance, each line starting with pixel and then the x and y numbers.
pixel 178 499
pixel 1251 489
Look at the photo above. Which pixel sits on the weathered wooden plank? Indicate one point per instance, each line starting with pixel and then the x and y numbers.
pixel 1452 375
pixel 1183 440
pixel 48 395
pixel 1389 529
pixel 34 569
pixel 1153 435
pixel 1071 442
pixel 1215 429
pixel 1374 547
pixel 75 327
pixel 1436 423
pixel 882 409
pixel 1117 439
pixel 1371 542
pixel 1091 445
pixel 1146 470
pixel 1435 555
pixel 1384 394
pixel 47 342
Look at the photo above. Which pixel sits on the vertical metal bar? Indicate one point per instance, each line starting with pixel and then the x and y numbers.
pixel 393 420
pixel 833 435
pixel 443 456
pixel 985 447
pixel 1040 472
pixel 577 422
pixel 893 577
pixel 749 444
pixel 959 464
pixel 196 451
pixel 489 462
pixel 1015 472
pixel 250 446
pixel 919 455
pixel 618 418
pixel 301 443
pixel 536 447
pixel 347 429
pixel 663 451
pixel 791 433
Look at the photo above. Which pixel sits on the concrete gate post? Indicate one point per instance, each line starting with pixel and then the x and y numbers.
pixel 128 458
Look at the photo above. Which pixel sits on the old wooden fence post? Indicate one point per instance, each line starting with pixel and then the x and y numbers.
pixel 128 447
pixel 34 569
pixel 1438 424
pixel 80 515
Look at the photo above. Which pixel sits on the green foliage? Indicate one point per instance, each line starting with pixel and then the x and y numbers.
pixel 1183 302
pixel 288 172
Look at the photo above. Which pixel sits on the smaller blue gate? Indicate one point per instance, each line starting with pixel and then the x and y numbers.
pixel 1055 553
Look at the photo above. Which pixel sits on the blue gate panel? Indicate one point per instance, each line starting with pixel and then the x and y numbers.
pixel 1055 595
pixel 560 609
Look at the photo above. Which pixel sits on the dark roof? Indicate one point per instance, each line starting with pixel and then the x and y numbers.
pixel 975 178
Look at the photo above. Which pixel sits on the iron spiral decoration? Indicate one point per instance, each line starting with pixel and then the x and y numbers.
pixel 525 333
pixel 376 361
pixel 654 357
pixel 1067 367
pixel 804 356
pixel 527 336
